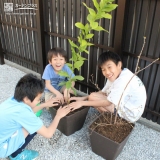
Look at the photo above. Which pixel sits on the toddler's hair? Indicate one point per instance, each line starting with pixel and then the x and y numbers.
pixel 28 86
pixel 106 56
pixel 56 51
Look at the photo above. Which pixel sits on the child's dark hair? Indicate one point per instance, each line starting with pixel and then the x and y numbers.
pixel 28 86
pixel 56 51
pixel 106 56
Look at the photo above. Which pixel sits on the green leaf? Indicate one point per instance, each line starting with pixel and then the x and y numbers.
pixel 90 18
pixel 79 25
pixel 70 66
pixel 94 24
pixel 96 4
pixel 109 7
pixel 110 1
pixel 99 28
pixel 87 28
pixel 84 42
pixel 74 55
pixel 102 4
pixel 74 90
pixel 91 11
pixel 62 83
pixel 78 64
pixel 88 36
pixel 80 58
pixel 68 84
pixel 86 51
pixel 106 15
pixel 89 44
pixel 80 78
pixel 72 44
pixel 85 5
pixel 63 73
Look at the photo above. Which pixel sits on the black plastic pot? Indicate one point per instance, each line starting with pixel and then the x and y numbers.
pixel 104 146
pixel 72 122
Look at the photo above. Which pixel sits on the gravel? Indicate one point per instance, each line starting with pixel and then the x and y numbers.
pixel 143 143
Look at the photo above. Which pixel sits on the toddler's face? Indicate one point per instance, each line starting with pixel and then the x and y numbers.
pixel 110 70
pixel 57 62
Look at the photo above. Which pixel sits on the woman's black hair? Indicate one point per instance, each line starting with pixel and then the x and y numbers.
pixel 106 56
pixel 28 86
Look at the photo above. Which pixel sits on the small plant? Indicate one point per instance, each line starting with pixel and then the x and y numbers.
pixel 102 10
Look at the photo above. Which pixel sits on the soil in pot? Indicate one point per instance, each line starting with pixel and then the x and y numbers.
pixel 105 126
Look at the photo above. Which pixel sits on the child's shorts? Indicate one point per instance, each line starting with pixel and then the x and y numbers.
pixel 12 143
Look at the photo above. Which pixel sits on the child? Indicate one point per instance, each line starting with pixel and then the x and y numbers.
pixel 57 59
pixel 18 122
pixel 134 97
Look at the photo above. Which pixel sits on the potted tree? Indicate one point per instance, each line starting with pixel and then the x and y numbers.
pixel 74 121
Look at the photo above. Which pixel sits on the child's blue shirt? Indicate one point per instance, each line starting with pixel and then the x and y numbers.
pixel 50 74
pixel 14 116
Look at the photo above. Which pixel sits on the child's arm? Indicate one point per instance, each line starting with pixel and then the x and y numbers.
pixel 49 103
pixel 53 90
pixel 48 132
pixel 98 103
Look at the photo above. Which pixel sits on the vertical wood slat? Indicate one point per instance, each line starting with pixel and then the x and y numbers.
pixel 155 31
pixel 54 21
pixel 119 26
pixel 40 46
pixel 60 18
pixel 68 28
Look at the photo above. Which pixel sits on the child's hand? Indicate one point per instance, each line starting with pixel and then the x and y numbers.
pixel 75 105
pixel 52 102
pixel 61 112
pixel 60 97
